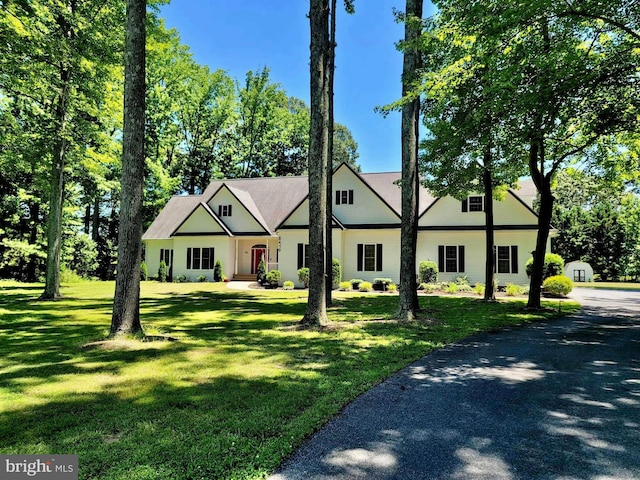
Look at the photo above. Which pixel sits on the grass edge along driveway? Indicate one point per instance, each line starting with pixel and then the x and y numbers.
pixel 237 392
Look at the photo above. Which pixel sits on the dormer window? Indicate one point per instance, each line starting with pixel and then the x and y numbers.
pixel 224 210
pixel 344 197
pixel 473 204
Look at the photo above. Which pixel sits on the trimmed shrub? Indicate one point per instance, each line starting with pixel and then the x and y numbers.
pixel 69 276
pixel 162 272
pixel 452 287
pixel 303 276
pixel 553 266
pixel 144 272
pixel 355 283
pixel 288 285
pixel 479 288
pixel 345 286
pixel 461 280
pixel 429 287
pixel 428 272
pixel 274 277
pixel 180 279
pixel 336 271
pixel 365 286
pixel 380 284
pixel 513 290
pixel 261 274
pixel 202 278
pixel 218 274
pixel 558 285
pixel 392 287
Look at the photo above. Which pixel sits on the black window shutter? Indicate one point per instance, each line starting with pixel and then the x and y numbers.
pixel 212 256
pixel 441 258
pixel 300 255
pixel 350 197
pixel 188 259
pixel 514 259
pixel 495 259
pixel 378 255
pixel 360 256
pixel 461 258
pixel 229 210
pixel 337 197
pixel 219 210
pixel 161 254
pixel 465 205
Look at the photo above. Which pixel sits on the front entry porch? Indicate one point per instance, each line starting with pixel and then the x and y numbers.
pixel 249 252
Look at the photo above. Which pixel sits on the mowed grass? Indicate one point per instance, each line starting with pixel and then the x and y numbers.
pixel 233 396
pixel 608 285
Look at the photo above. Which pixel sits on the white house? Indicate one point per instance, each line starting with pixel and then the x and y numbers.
pixel 241 220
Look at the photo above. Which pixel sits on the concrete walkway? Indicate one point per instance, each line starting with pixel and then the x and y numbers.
pixel 559 400
pixel 238 285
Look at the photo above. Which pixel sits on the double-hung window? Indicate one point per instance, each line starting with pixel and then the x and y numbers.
pixel 369 257
pixel 224 210
pixel 451 258
pixel 303 255
pixel 200 258
pixel 506 259
pixel 344 197
pixel 473 203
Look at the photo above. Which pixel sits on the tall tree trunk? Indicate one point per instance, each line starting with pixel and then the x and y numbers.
pixel 34 221
pixel 316 313
pixel 87 218
pixel 543 184
pixel 95 229
pixel 408 298
pixel 56 198
pixel 126 302
pixel 487 180
pixel 331 68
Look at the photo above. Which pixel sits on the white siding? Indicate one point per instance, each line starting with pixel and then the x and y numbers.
pixel 200 221
pixel 240 220
pixel 224 251
pixel 367 207
pixel 300 217
pixel 447 211
pixel 474 243
pixel 152 254
pixel 390 240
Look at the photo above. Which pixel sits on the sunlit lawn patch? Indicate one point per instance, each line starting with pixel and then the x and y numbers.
pixel 231 398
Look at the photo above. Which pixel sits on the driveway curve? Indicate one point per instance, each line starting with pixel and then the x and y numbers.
pixel 554 400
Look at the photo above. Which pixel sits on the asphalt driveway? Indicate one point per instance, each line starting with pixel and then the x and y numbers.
pixel 558 400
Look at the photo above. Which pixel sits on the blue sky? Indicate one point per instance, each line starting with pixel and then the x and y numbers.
pixel 242 35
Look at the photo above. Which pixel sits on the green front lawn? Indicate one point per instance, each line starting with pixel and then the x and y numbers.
pixel 609 285
pixel 237 392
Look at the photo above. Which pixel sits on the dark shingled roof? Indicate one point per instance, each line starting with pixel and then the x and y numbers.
pixel 271 199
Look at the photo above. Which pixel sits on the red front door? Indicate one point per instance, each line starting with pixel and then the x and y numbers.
pixel 256 254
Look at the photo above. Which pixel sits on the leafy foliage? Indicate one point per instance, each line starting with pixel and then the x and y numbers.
pixel 336 271
pixel 218 274
pixel 162 271
pixel 553 265
pixel 261 274
pixel 428 272
pixel 303 276
pixel 558 285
